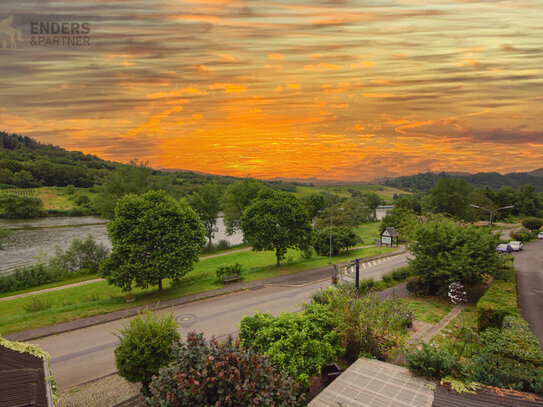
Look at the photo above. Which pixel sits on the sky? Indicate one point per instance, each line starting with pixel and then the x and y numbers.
pixel 329 89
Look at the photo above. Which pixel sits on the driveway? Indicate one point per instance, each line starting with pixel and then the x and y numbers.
pixel 529 266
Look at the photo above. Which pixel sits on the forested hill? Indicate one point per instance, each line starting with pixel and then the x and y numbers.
pixel 493 180
pixel 27 163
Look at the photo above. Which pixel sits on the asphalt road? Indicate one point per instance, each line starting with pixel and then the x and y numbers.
pixel 529 266
pixel 86 354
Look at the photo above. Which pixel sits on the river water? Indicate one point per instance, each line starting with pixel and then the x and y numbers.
pixel 30 237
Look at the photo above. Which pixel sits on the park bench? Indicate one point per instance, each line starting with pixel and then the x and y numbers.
pixel 230 278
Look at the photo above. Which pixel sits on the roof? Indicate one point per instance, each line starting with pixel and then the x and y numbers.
pixel 22 379
pixel 389 232
pixel 485 396
pixel 369 382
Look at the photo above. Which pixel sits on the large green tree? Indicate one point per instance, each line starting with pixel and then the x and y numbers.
pixel 276 221
pixel 154 237
pixel 451 196
pixel 207 202
pixel 373 201
pixel 446 252
pixel 236 198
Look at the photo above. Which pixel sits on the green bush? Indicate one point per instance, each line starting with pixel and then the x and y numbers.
pixel 499 301
pixel 228 270
pixel 523 235
pixel 431 362
pixel 515 341
pixel 532 223
pixel 401 273
pixel 81 254
pixel 20 207
pixel 365 285
pixel 387 278
pixel 496 370
pixel 145 346
pixel 29 276
pixel 299 343
pixel 210 373
pixel 223 244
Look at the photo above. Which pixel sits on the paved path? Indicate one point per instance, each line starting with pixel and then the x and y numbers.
pixel 529 267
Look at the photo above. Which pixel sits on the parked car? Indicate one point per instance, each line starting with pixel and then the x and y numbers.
pixel 504 248
pixel 540 235
pixel 516 246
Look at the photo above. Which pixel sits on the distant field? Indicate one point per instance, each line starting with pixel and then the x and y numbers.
pixel 343 190
pixel 52 197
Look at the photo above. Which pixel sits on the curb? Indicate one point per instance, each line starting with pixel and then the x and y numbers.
pixel 130 312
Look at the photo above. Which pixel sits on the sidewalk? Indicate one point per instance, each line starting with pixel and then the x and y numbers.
pixel 300 278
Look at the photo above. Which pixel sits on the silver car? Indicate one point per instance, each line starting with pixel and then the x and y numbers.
pixel 540 235
pixel 516 246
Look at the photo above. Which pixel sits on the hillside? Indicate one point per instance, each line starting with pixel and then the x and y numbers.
pixel 493 180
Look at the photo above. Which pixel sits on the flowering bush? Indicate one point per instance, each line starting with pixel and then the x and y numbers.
pixel 208 373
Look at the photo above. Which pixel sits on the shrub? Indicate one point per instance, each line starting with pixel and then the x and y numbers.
pixel 499 371
pixel 365 285
pixel 532 223
pixel 298 343
pixel 20 207
pixel 523 235
pixel 515 341
pixel 401 273
pixel 228 270
pixel 223 244
pixel 387 278
pixel 37 305
pixel 81 254
pixel 414 285
pixel 145 346
pixel 210 373
pixel 499 301
pixel 29 276
pixel 432 362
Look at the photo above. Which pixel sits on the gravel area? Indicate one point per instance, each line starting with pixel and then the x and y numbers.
pixel 105 392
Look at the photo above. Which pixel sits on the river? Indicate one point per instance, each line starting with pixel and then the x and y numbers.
pixel 30 237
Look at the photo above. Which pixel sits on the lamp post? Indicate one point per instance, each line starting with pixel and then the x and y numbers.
pixel 330 253
pixel 491 212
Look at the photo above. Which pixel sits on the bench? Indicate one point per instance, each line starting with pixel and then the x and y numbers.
pixel 230 278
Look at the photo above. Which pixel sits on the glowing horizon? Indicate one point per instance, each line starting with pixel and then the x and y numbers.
pixel 335 90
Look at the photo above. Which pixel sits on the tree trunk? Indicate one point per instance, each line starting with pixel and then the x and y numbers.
pixel 209 237
pixel 278 257
pixel 160 285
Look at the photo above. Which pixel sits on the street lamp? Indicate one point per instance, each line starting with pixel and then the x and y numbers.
pixel 330 254
pixel 492 211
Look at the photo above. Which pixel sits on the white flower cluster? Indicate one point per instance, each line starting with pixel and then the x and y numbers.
pixel 457 294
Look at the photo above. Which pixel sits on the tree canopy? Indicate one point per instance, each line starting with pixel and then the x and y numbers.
pixel 451 196
pixel 207 202
pixel 446 252
pixel 20 207
pixel 236 199
pixel 276 221
pixel 154 237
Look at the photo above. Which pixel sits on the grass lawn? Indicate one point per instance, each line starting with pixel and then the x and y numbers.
pixel 429 309
pixel 467 320
pixel 99 298
pixel 367 232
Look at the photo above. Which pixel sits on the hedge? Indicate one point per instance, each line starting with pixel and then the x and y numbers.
pixel 499 301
